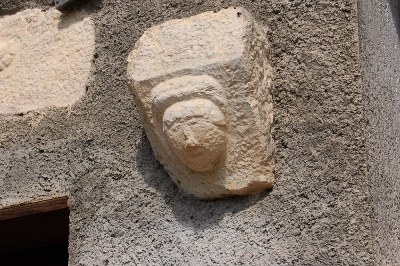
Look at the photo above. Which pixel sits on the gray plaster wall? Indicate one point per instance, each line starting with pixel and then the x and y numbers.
pixel 379 31
pixel 124 207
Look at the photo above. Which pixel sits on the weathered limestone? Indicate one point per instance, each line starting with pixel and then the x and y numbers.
pixel 202 87
pixel 45 59
pixel 7 54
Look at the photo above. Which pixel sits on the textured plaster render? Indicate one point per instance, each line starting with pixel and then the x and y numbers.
pixel 380 54
pixel 124 207
pixel 202 85
pixel 44 60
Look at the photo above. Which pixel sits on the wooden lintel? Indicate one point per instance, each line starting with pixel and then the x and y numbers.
pixel 33 208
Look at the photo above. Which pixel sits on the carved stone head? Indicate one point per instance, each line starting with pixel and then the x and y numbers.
pixel 201 85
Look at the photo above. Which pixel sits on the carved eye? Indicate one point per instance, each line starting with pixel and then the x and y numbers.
pixel 196 131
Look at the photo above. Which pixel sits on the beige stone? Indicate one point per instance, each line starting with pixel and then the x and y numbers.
pixel 201 85
pixel 7 54
pixel 45 59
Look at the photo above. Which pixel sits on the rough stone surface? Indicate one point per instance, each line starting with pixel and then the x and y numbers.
pixel 380 47
pixel 8 50
pixel 45 59
pixel 202 86
pixel 125 209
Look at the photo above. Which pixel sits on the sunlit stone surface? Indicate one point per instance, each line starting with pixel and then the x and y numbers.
pixel 202 87
pixel 45 59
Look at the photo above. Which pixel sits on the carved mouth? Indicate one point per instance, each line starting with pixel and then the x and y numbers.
pixel 195 151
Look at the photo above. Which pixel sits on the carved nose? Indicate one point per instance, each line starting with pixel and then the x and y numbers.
pixel 190 140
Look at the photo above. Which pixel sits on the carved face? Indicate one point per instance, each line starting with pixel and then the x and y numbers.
pixel 188 109
pixel 196 129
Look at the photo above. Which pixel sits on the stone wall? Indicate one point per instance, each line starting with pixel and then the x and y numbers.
pixel 124 207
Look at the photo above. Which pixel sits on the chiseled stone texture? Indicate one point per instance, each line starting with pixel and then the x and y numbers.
pixel 45 60
pixel 124 207
pixel 202 88
pixel 8 50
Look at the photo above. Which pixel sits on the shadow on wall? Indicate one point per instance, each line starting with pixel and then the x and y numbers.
pixel 188 210
pixel 395 9
pixel 69 19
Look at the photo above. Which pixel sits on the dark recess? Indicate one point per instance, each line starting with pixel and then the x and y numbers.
pixel 36 239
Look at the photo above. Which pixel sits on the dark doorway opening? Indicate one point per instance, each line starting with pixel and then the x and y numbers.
pixel 35 234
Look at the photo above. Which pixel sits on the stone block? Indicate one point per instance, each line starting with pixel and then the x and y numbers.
pixel 201 85
pixel 45 59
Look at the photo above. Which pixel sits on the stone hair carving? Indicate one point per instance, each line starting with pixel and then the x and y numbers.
pixel 201 85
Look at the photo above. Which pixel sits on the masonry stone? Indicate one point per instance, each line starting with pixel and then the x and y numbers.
pixel 202 87
pixel 45 59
